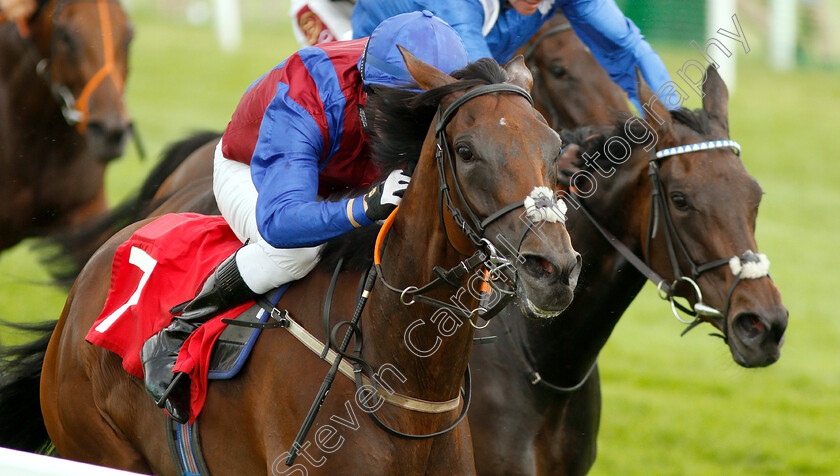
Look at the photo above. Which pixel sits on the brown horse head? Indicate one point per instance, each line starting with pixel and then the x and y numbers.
pixel 571 88
pixel 84 46
pixel 712 203
pixel 499 148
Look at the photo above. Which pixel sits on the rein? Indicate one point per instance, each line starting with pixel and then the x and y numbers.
pixel 756 263
pixel 497 265
pixel 473 227
pixel 526 357
pixel 539 85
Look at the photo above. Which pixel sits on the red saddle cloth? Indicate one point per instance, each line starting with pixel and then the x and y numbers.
pixel 160 266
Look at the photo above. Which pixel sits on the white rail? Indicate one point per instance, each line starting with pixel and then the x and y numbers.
pixel 19 463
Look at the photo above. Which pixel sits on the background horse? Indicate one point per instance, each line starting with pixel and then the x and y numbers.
pixel 570 88
pixel 547 422
pixel 62 114
pixel 95 412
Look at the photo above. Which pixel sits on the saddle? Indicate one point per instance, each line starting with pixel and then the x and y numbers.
pixel 161 265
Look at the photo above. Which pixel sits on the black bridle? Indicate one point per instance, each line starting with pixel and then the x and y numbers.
pixel 539 85
pixel 675 245
pixel 660 211
pixel 468 221
pixel 474 228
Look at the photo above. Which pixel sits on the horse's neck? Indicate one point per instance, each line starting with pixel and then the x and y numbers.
pixel 566 348
pixel 414 338
pixel 30 109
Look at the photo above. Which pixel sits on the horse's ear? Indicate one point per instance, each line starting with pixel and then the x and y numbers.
pixel 716 100
pixel 427 76
pixel 654 112
pixel 519 74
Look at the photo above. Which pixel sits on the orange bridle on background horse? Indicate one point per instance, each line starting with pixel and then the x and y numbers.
pixel 63 114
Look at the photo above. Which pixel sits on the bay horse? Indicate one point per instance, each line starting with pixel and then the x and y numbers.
pixel 62 114
pixel 498 150
pixel 540 380
pixel 570 88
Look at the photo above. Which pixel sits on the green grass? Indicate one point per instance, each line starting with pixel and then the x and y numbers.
pixel 671 405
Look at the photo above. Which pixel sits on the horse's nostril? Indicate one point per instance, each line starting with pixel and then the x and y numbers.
pixel 538 267
pixel 109 134
pixel 547 267
pixel 115 136
pixel 749 325
pixel 96 128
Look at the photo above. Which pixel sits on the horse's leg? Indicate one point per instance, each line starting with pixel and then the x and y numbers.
pixel 570 446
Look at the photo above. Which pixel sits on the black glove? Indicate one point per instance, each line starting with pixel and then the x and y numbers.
pixel 567 164
pixel 385 196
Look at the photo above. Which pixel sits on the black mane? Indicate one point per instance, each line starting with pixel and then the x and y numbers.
pixel 398 121
pixel 592 141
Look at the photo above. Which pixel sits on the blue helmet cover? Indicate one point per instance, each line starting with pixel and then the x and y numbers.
pixel 426 36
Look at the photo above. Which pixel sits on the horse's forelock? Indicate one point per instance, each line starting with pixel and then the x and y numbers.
pixel 593 141
pixel 398 119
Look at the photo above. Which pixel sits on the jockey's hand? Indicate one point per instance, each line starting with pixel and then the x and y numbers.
pixel 384 197
pixel 567 164
pixel 18 9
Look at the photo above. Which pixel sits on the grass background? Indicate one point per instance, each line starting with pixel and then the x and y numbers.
pixel 671 405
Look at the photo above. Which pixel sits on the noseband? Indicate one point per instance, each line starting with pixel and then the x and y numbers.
pixel 468 221
pixel 75 109
pixel 659 207
pixel 474 229
pixel 749 265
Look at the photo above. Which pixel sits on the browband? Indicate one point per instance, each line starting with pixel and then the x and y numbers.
pixel 685 149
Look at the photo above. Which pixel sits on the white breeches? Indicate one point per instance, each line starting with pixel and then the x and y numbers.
pixel 262 266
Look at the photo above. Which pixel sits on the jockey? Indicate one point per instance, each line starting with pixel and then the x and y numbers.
pixel 298 135
pixel 497 28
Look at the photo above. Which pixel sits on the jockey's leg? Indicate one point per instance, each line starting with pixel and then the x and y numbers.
pixel 254 269
pixel 257 267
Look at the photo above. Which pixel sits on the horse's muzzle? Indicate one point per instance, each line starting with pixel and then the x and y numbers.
pixel 106 141
pixel 756 339
pixel 547 284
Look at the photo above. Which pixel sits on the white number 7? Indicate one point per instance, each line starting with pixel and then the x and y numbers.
pixel 146 263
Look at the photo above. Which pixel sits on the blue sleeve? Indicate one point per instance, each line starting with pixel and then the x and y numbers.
pixel 285 170
pixel 465 16
pixel 617 44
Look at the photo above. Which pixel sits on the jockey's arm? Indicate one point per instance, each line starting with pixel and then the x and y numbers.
pixel 285 168
pixel 617 44
pixel 465 16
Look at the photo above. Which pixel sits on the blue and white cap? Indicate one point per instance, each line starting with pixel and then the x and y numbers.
pixel 426 36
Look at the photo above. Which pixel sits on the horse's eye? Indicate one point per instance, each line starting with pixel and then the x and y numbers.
pixel 464 153
pixel 558 71
pixel 68 41
pixel 680 200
